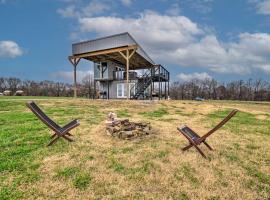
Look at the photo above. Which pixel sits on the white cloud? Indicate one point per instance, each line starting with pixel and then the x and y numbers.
pixel 178 40
pixel 95 7
pixel 154 31
pixel 91 9
pixel 262 6
pixel 126 2
pixel 68 75
pixel 69 11
pixel 10 49
pixel 194 76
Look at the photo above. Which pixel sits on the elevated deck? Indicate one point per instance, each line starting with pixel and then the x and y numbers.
pixel 108 48
pixel 124 51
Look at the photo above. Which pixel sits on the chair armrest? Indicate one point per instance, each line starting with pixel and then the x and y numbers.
pixel 70 126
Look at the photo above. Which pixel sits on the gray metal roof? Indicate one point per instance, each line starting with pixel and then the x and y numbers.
pixel 109 42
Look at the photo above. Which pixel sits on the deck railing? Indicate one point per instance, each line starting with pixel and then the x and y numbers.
pixel 156 74
pixel 122 75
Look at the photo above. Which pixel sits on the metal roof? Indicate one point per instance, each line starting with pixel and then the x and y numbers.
pixel 111 42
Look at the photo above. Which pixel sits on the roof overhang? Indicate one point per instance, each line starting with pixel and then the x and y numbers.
pixel 89 50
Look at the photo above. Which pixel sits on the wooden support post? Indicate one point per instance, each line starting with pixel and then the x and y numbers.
pixel 168 88
pixel 166 97
pixel 108 90
pixel 128 89
pixel 161 91
pixel 74 62
pixel 159 83
pixel 127 58
pixel 151 90
pixel 75 81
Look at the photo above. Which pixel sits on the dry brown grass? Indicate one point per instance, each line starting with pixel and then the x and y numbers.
pixel 154 167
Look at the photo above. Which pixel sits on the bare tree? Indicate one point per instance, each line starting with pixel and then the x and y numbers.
pixel 88 84
pixel 210 89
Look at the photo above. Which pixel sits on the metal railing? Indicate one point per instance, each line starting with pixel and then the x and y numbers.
pixel 122 75
pixel 157 72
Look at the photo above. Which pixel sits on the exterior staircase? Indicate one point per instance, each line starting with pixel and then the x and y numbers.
pixel 155 74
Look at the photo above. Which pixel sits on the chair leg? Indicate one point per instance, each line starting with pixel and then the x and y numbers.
pixel 67 138
pixel 200 151
pixel 69 134
pixel 56 134
pixel 57 137
pixel 187 147
pixel 206 144
pixel 53 140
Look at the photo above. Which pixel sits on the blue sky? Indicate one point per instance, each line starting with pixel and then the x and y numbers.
pixel 223 39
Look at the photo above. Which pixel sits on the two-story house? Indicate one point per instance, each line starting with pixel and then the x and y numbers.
pixel 122 69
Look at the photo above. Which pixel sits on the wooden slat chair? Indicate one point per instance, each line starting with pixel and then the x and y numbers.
pixel 195 140
pixel 58 131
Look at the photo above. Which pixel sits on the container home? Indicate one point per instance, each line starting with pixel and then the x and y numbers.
pixel 122 69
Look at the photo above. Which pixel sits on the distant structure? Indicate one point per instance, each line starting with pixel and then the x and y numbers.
pixel 122 69
pixel 7 93
pixel 18 93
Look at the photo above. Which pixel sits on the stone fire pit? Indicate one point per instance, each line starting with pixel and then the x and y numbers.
pixel 124 129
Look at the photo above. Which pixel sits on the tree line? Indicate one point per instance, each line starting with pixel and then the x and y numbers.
pixel 47 88
pixel 249 90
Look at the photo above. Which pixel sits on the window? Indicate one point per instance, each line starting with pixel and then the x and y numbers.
pixel 132 89
pixel 120 93
pixel 102 67
pixel 122 90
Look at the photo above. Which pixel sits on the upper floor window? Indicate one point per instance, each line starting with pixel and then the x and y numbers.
pixel 102 67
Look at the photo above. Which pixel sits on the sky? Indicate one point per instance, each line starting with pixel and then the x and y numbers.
pixel 222 39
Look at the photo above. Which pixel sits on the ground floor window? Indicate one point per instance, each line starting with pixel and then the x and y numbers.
pixel 122 90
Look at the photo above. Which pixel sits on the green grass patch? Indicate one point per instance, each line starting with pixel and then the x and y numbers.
pixel 187 172
pixel 183 113
pixel 230 156
pixel 254 172
pixel 252 146
pixel 10 192
pixel 156 113
pixel 162 154
pixel 115 165
pixel 79 178
pixel 123 113
pixel 241 123
pixel 82 180
pixel 91 114
pixel 67 172
pixel 139 164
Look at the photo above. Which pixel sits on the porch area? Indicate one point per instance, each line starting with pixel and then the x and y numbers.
pixel 119 58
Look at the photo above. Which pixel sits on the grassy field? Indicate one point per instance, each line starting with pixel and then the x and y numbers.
pixel 97 166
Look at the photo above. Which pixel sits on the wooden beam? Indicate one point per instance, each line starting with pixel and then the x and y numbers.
pixel 127 58
pixel 124 56
pixel 74 62
pixel 106 51
pixel 132 53
pixel 128 89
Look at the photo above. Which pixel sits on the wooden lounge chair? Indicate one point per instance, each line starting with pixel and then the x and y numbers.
pixel 58 131
pixel 195 140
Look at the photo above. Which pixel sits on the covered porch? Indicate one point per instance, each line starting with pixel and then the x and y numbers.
pixel 121 49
